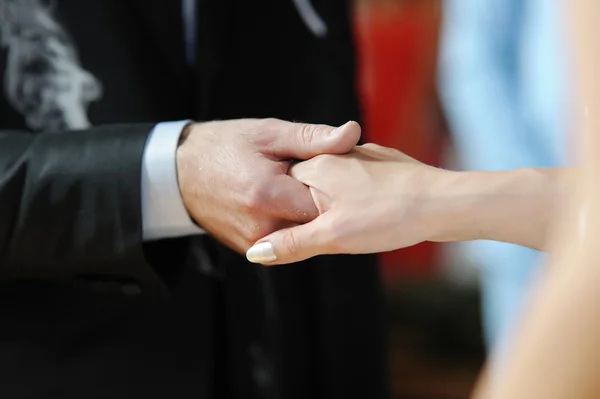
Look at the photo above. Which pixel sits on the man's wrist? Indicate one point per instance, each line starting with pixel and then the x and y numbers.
pixel 184 161
pixel 163 210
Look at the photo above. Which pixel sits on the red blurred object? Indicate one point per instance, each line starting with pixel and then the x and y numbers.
pixel 397 51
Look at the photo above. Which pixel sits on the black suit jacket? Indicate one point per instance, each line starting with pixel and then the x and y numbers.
pixel 89 310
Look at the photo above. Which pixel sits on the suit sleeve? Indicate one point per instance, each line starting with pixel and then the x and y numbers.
pixel 70 202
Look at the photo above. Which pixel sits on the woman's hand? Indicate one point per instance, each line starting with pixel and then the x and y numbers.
pixel 374 199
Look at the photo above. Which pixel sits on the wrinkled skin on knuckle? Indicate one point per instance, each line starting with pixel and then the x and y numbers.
pixel 307 135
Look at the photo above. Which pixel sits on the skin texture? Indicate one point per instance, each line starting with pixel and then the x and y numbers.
pixel 377 199
pixel 239 189
pixel 516 206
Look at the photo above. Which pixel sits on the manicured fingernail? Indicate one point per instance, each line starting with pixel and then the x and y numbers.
pixel 261 253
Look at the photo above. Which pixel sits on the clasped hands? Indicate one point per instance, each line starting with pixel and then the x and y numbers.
pixel 240 182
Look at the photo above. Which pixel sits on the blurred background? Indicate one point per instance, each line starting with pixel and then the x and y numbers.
pixel 462 84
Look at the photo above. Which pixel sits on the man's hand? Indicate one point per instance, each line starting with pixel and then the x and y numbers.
pixel 233 175
pixel 374 199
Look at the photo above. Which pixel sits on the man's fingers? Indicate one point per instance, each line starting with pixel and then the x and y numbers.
pixel 305 141
pixel 289 245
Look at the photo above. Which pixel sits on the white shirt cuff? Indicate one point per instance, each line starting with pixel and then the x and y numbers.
pixel 163 213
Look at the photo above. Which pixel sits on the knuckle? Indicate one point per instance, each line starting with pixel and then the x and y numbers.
pixel 323 161
pixel 373 147
pixel 254 200
pixel 255 231
pixel 270 121
pixel 378 149
pixel 262 125
pixel 264 132
pixel 267 125
pixel 307 133
pixel 370 146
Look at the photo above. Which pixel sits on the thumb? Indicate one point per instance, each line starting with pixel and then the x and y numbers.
pixel 290 245
pixel 307 140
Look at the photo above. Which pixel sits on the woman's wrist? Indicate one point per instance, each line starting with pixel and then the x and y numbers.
pixel 452 207
pixel 512 206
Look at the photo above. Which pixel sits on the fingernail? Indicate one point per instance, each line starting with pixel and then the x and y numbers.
pixel 261 253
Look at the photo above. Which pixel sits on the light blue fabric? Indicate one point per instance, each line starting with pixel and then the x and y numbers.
pixel 502 84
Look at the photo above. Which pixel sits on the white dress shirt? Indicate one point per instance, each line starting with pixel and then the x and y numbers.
pixel 163 213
